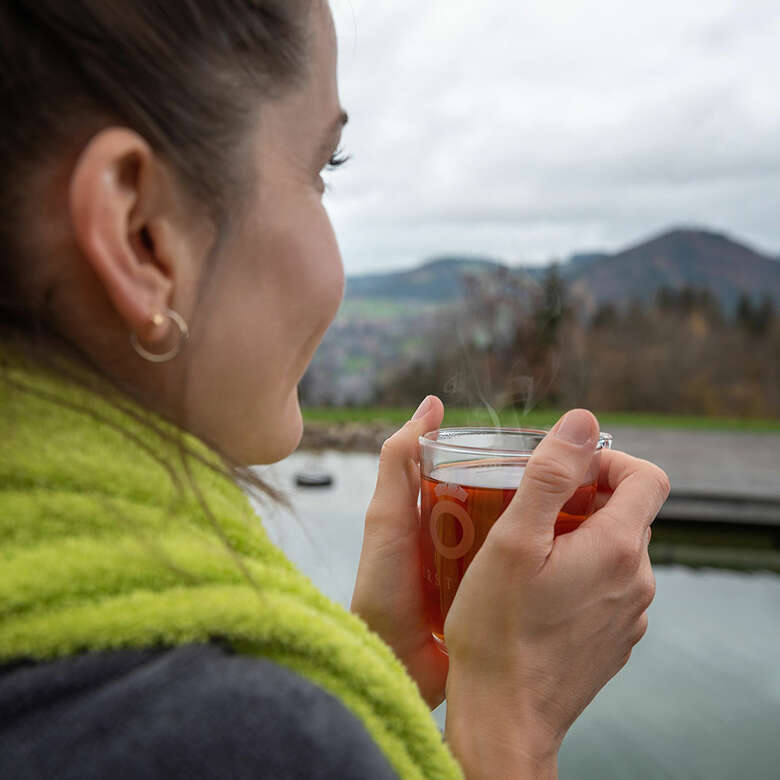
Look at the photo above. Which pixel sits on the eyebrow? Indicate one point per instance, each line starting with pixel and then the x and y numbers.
pixel 341 120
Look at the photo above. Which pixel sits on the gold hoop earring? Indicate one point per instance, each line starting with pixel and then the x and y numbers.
pixel 184 336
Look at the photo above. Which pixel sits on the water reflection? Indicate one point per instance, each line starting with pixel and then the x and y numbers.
pixel 700 697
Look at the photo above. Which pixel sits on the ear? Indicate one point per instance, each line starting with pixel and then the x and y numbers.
pixel 117 197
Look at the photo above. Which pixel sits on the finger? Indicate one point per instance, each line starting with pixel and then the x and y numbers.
pixel 613 464
pixel 616 466
pixel 398 479
pixel 606 467
pixel 554 472
pixel 640 489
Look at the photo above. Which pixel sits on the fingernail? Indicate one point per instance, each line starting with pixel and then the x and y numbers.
pixel 576 427
pixel 422 409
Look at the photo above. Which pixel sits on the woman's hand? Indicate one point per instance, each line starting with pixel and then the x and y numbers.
pixel 540 624
pixel 388 591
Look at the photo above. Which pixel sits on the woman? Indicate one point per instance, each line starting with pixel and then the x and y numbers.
pixel 161 179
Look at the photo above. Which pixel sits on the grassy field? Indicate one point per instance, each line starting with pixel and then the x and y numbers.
pixel 542 418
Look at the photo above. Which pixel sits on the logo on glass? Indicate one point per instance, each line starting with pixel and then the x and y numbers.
pixel 443 508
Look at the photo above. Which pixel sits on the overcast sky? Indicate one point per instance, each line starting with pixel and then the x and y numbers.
pixel 530 130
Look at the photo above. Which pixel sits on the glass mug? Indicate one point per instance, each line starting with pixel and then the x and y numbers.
pixel 468 477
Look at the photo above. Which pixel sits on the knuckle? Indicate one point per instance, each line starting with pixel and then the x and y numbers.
pixel 550 474
pixel 506 546
pixel 389 447
pixel 626 555
pixel 664 483
pixel 659 480
pixel 384 451
pixel 374 511
pixel 640 630
pixel 398 445
pixel 647 590
pixel 503 542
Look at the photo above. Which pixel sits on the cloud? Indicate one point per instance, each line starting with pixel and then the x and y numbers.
pixel 531 130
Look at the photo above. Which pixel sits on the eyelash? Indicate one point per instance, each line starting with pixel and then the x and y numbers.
pixel 338 159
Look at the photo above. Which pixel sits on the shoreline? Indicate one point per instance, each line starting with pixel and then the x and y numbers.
pixel 345 437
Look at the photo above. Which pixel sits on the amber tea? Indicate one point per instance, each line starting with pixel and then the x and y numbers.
pixel 468 480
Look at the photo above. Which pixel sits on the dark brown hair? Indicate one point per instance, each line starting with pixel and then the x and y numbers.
pixel 187 75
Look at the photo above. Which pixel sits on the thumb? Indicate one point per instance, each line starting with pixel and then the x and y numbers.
pixel 556 469
pixel 398 480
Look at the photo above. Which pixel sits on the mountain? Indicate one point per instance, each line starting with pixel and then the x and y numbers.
pixel 385 316
pixel 585 260
pixel 437 280
pixel 678 258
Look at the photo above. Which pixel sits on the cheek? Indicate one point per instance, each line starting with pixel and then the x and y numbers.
pixel 313 280
pixel 271 302
pixel 286 289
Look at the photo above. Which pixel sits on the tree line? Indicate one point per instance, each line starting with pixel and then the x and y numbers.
pixel 515 344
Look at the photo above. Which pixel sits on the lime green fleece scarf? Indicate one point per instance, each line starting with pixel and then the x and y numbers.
pixel 104 544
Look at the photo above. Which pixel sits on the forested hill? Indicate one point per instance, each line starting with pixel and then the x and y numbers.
pixel 437 280
pixel 676 259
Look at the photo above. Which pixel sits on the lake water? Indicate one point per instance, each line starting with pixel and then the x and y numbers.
pixel 700 697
